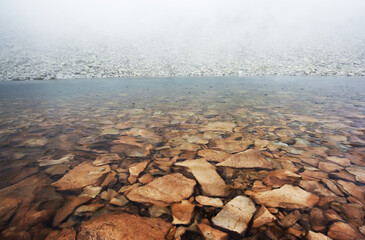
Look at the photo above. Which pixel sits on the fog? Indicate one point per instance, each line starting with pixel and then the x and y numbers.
pixel 188 26
pixel 234 21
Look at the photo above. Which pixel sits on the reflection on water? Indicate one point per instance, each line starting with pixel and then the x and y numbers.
pixel 167 155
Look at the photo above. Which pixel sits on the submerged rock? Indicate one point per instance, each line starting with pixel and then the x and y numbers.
pixel 208 201
pixel 182 212
pixel 81 176
pixel 248 159
pixel 211 233
pixel 342 231
pixel 262 217
pixel 235 215
pixel 49 162
pixel 213 155
pixel 164 191
pixel 287 196
pixel 211 183
pixel 135 170
pixel 123 226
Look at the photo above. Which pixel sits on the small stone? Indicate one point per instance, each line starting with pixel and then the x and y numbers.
pixel 213 155
pixel 342 231
pixel 146 178
pixel 286 197
pixel 119 200
pixel 157 211
pixel 91 191
pixel 164 191
pixel 36 142
pixel 340 161
pixel 182 212
pixel 317 220
pixel 281 177
pixel 235 215
pixel 352 189
pixel 110 179
pixel 81 176
pixel 210 233
pixel 110 131
pixel 248 159
pixel 50 162
pixel 107 159
pixel 87 210
pixel 65 234
pixel 60 169
pixel 135 170
pixel 208 201
pixel 210 181
pixel 317 236
pixel 358 172
pixel 109 194
pixel 329 167
pixel 262 217
pixel 219 126
pixel 68 208
pixel 290 219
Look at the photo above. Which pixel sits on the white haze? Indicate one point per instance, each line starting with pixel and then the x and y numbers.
pixel 184 28
pixel 221 22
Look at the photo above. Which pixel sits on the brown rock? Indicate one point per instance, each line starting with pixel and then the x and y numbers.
pixel 210 233
pixel 281 177
pixel 164 190
pixel 329 167
pixel 91 191
pixel 316 187
pixel 313 175
pixel 146 178
pixel 210 181
pixel 332 186
pixel 123 226
pixel 88 210
pixel 65 234
pixel 332 216
pixel 107 159
pixel 182 212
pixel 220 126
pixel 262 217
pixel 68 208
pixel 354 214
pixel 340 161
pixel 157 211
pixel 352 189
pixel 248 159
pixel 290 219
pixel 317 220
pixel 7 209
pixel 207 201
pixel 236 214
pixel 317 236
pixel 342 231
pixel 81 176
pixel 109 194
pixel 358 172
pixel 135 170
pixel 343 175
pixel 213 155
pixel 119 200
pixel 286 197
pixel 110 179
pixel 60 169
pixel 50 162
pixel 227 145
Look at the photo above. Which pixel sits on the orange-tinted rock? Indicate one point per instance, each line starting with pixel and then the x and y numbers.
pixel 286 197
pixel 342 231
pixel 317 220
pixel 87 209
pixel 313 175
pixel 7 209
pixel 81 176
pixel 247 159
pixel 329 167
pixel 342 175
pixel 262 217
pixel 354 214
pixel 220 126
pixel 65 234
pixel 50 162
pixel 164 191
pixel 352 189
pixel 358 172
pixel 68 208
pixel 135 170
pixel 207 201
pixel 210 233
pixel 107 159
pixel 227 145
pixel 317 236
pixel 211 183
pixel 332 186
pixel 340 161
pixel 182 212
pixel 146 178
pixel 108 194
pixel 236 214
pixel 110 179
pixel 332 216
pixel 213 155
pixel 281 177
pixel 123 226
pixel 316 187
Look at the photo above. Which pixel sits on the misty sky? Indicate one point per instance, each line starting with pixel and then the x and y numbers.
pixel 235 22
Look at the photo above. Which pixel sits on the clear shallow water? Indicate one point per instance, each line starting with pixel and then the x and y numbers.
pixel 295 119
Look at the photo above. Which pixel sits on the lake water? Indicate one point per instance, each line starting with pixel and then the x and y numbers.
pixel 312 127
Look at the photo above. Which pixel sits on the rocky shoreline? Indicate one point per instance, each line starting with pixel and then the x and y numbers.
pixel 67 60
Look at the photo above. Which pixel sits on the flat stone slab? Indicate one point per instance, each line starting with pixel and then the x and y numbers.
pixel 164 191
pixel 287 196
pixel 248 159
pixel 211 183
pixel 235 215
pixel 123 226
pixel 81 176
